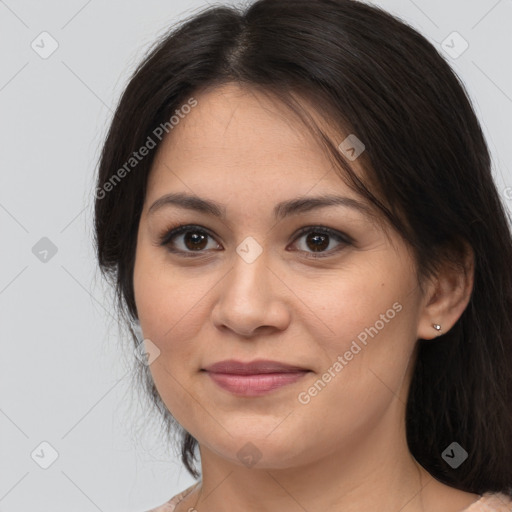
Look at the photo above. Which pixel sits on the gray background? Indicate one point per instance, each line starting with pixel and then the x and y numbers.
pixel 63 369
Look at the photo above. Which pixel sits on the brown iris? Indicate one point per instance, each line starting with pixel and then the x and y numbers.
pixel 320 241
pixel 196 239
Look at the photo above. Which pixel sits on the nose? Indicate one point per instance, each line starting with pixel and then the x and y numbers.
pixel 251 300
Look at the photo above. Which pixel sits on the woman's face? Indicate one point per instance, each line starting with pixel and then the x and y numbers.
pixel 245 285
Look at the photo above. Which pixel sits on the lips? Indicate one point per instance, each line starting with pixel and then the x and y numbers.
pixel 251 368
pixel 254 378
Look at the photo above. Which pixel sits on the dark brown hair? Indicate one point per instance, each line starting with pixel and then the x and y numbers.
pixel 429 169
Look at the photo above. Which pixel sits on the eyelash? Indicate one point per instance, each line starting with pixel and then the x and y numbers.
pixel 173 231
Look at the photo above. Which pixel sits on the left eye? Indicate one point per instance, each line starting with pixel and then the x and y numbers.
pixel 195 239
pixel 319 238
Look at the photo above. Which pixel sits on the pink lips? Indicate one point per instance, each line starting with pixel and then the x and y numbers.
pixel 255 378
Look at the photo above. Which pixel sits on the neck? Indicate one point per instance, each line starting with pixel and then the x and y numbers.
pixel 374 471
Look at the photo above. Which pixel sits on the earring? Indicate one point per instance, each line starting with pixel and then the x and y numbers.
pixel 437 327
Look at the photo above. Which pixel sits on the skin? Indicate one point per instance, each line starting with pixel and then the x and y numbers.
pixel 345 449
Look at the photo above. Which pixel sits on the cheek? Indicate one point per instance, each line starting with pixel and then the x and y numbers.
pixel 372 303
pixel 365 356
pixel 364 378
pixel 169 310
pixel 168 301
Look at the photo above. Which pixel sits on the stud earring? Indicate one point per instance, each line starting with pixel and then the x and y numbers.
pixel 437 327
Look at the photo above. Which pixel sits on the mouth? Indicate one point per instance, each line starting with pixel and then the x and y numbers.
pixel 254 378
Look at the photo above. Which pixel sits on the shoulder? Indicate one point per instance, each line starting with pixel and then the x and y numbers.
pixel 489 502
pixel 492 502
pixel 170 505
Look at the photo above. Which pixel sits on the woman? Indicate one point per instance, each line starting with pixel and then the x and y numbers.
pixel 296 208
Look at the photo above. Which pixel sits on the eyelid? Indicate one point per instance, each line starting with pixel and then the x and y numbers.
pixel 324 229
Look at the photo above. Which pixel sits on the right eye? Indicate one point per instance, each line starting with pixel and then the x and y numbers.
pixel 190 239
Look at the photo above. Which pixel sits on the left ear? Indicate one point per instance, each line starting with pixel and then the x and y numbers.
pixel 447 296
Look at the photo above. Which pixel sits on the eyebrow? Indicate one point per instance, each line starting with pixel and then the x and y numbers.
pixel 281 210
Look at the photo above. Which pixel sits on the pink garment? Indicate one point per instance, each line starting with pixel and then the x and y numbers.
pixel 170 505
pixel 488 502
pixel 491 502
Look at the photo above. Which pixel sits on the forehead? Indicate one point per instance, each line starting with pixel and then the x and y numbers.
pixel 236 133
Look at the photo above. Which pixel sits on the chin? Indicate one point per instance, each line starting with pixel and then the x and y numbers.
pixel 261 451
